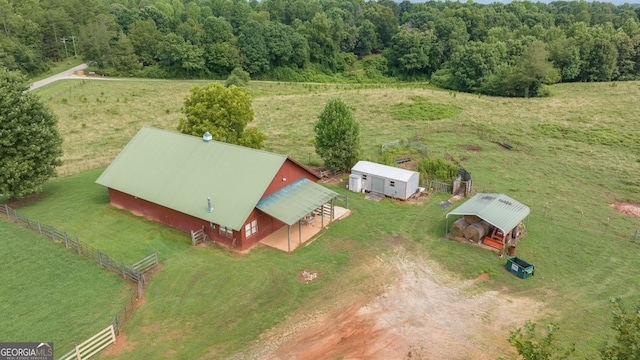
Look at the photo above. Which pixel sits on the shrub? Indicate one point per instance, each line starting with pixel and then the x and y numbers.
pixel 436 168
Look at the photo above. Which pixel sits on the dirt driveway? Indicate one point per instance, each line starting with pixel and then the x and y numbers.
pixel 424 313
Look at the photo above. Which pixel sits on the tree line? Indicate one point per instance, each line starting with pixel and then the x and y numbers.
pixel 498 49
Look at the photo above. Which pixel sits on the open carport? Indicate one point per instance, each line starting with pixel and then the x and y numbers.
pixel 497 210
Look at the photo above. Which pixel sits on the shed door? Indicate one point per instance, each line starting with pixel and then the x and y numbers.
pixel 377 185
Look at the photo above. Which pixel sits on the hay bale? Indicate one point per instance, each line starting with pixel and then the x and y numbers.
pixel 487 227
pixel 472 219
pixel 475 232
pixel 457 228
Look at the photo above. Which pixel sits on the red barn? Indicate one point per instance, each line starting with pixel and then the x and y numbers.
pixel 238 195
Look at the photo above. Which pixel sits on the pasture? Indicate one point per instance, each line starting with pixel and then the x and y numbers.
pixel 49 293
pixel 575 153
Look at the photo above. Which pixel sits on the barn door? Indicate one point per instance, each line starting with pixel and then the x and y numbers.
pixel 377 185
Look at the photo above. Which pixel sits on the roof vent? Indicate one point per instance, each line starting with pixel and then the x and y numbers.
pixel 206 137
pixel 209 207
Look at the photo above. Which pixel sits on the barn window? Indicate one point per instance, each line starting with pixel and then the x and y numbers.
pixel 251 228
pixel 392 183
pixel 364 176
pixel 223 230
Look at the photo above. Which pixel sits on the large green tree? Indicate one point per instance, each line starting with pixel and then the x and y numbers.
pixel 223 112
pixel 30 145
pixel 337 138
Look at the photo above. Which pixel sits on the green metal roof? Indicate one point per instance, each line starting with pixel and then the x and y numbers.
pixel 499 210
pixel 180 171
pixel 293 202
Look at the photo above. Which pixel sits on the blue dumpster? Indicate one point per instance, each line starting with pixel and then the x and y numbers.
pixel 519 267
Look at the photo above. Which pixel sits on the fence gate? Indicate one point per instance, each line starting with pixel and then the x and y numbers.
pixel 198 236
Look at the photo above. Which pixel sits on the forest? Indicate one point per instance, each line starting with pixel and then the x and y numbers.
pixel 500 49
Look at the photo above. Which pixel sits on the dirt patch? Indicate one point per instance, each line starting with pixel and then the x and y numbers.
pixel 424 314
pixel 120 347
pixel 307 276
pixel 627 208
pixel 469 147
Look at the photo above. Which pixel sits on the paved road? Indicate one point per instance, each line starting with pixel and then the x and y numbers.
pixel 67 74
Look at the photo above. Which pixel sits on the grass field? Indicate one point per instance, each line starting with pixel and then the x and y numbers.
pixel 49 293
pixel 575 153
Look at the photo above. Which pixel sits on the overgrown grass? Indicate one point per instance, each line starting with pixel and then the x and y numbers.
pixel 49 293
pixel 580 246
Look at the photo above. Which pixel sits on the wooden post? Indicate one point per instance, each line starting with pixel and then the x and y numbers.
pixel 100 257
pixel 140 287
pixel 39 227
pixel 66 241
pixel 78 355
pixel 123 275
pixel 635 236
pixel 116 324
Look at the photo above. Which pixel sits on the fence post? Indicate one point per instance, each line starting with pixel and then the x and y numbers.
pixel 635 236
pixel 123 274
pixel 116 324
pixel 66 241
pixel 78 355
pixel 140 281
pixel 15 215
pixel 39 227
pixel 100 257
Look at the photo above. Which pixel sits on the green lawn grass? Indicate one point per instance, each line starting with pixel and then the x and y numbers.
pixel 49 293
pixel 219 302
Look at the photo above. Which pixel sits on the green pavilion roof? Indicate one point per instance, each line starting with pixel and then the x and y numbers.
pixel 293 202
pixel 499 210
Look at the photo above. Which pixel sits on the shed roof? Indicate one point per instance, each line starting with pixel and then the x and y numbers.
pixel 386 171
pixel 180 171
pixel 293 202
pixel 499 210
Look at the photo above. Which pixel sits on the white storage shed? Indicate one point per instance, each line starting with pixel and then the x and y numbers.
pixel 388 180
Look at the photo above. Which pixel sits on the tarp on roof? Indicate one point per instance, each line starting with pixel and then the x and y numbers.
pixel 293 202
pixel 381 170
pixel 499 210
pixel 181 171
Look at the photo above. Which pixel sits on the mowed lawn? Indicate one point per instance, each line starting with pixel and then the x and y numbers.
pixel 49 293
pixel 575 153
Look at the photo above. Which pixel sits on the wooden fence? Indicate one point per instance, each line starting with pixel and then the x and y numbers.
pixel 437 186
pixel 198 236
pixel 131 272
pixel 137 272
pixel 456 186
pixel 92 346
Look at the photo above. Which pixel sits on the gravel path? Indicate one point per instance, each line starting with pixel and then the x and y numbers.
pixel 67 74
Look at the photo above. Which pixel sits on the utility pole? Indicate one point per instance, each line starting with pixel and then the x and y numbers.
pixel 73 38
pixel 64 41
